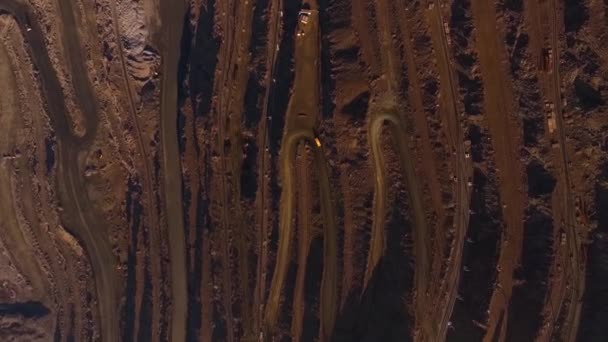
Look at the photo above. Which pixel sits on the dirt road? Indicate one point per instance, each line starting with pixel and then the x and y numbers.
pixel 451 116
pixel 386 111
pixel 500 104
pixel 329 282
pixel 304 238
pixel 10 123
pixel 573 257
pixel 146 160
pixel 440 167
pixel 263 196
pixel 302 115
pixel 378 240
pixel 172 17
pixel 79 213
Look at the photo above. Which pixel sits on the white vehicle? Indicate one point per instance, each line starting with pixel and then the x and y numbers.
pixel 304 16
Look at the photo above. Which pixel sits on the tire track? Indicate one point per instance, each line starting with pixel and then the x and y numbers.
pixel 197 63
pixel 288 149
pixel 301 118
pixel 415 92
pixel 499 106
pixel 577 268
pixel 531 305
pixel 446 296
pixel 34 216
pixel 89 227
pixel 153 219
pixel 329 281
pixel 274 34
pixel 238 69
pixel 172 15
pixel 13 232
pixel 390 82
pixel 225 57
pixel 377 245
pixel 304 240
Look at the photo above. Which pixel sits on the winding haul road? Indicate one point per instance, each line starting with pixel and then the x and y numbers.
pixel 79 212
pixel 378 237
pixel 387 111
pixel 302 114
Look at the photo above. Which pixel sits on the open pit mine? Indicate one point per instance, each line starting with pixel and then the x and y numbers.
pixel 303 170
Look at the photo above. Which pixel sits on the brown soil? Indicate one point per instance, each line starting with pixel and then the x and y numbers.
pixel 323 170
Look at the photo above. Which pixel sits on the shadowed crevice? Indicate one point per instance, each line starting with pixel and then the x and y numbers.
pixel 29 309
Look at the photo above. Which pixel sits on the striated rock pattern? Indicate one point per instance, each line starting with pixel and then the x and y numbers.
pixel 314 170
